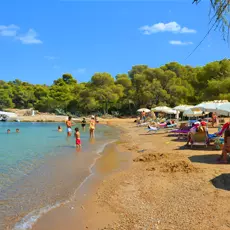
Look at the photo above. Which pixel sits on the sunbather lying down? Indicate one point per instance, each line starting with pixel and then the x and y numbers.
pixel 152 128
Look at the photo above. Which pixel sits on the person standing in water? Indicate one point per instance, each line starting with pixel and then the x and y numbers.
pixel 92 127
pixel 59 128
pixel 69 126
pixel 8 131
pixel 78 138
pixel 83 123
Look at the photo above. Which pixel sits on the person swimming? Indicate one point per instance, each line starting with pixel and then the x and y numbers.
pixel 8 131
pixel 78 138
pixel 59 128
pixel 17 131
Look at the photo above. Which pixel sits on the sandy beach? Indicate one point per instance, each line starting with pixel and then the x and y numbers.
pixel 168 186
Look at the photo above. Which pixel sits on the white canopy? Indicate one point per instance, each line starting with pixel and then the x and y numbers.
pixel 182 108
pixel 164 109
pixel 223 109
pixel 143 109
pixel 210 106
pixel 191 113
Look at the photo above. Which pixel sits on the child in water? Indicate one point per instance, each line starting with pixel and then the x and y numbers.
pixel 78 139
pixel 8 131
pixel 59 128
pixel 17 131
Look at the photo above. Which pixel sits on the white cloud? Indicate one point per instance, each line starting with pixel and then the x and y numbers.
pixel 50 57
pixel 30 38
pixel 9 31
pixel 173 27
pixel 180 43
pixel 80 70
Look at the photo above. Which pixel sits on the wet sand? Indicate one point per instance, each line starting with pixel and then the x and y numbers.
pixel 168 186
pixel 72 215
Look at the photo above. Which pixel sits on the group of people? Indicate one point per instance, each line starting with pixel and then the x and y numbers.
pixel 92 127
pixel 8 131
pixel 201 126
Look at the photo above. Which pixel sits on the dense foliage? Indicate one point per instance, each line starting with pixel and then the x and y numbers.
pixel 171 84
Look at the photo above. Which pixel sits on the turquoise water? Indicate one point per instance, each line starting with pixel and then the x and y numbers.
pixel 36 162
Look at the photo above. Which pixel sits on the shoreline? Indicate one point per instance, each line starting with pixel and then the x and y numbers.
pixel 167 186
pixel 101 153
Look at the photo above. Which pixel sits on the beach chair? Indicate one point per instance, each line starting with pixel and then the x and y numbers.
pixel 181 127
pixel 199 138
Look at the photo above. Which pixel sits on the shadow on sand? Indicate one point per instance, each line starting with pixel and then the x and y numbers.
pixel 198 148
pixel 206 159
pixel 222 181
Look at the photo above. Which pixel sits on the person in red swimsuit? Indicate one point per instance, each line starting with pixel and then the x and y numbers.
pixel 78 138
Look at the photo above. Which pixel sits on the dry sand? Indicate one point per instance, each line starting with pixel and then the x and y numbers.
pixel 167 187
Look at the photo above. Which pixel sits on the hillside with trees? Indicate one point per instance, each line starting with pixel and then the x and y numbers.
pixel 143 86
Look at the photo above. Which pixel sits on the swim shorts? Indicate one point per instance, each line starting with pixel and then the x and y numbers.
pixel 69 130
pixel 78 141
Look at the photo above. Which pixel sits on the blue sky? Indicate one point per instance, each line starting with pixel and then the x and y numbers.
pixel 41 39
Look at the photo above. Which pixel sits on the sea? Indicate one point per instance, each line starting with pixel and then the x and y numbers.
pixel 41 168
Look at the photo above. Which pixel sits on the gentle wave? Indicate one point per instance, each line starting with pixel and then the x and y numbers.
pixel 29 220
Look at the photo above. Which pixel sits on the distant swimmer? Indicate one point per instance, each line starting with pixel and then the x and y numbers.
pixel 92 127
pixel 17 131
pixel 78 138
pixel 8 131
pixel 59 128
pixel 83 123
pixel 69 126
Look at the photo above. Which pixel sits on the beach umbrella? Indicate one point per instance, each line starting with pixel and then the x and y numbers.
pixel 143 109
pixel 191 113
pixel 210 106
pixel 223 109
pixel 164 109
pixel 182 108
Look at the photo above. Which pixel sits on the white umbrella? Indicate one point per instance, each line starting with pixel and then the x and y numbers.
pixel 208 106
pixel 224 109
pixel 182 108
pixel 143 109
pixel 191 113
pixel 164 109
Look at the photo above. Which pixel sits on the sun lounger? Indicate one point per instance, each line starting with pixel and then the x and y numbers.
pixel 199 138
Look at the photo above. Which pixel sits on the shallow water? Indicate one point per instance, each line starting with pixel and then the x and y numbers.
pixel 40 167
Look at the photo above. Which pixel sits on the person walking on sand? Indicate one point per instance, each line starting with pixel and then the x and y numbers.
pixel 78 138
pixel 92 127
pixel 69 126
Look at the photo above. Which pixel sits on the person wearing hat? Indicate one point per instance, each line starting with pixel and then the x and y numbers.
pixel 92 127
